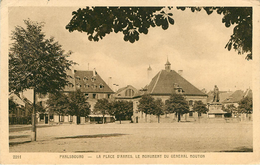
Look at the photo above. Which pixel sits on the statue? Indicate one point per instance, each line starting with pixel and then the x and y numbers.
pixel 216 94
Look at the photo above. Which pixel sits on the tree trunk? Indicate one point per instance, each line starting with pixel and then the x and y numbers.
pixel 33 137
pixel 120 119
pixel 179 116
pixel 103 119
pixel 158 118
pixel 146 118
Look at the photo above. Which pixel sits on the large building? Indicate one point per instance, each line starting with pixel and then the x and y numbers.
pixel 166 82
pixel 92 85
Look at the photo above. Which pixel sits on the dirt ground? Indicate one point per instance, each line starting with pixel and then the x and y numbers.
pixel 145 137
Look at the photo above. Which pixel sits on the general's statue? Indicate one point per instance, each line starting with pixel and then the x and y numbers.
pixel 216 94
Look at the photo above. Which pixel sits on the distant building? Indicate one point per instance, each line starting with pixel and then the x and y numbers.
pixel 166 82
pixel 126 93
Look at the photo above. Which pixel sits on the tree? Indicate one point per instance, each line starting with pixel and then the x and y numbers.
pixel 177 104
pixel 158 108
pixel 78 105
pixel 58 103
pixel 146 105
pixel 246 105
pixel 36 63
pixel 230 108
pixel 200 108
pixel 132 21
pixel 121 109
pixel 102 107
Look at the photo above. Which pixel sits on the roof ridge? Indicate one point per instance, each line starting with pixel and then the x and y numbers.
pixel 156 81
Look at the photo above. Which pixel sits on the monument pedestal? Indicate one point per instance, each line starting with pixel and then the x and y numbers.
pixel 215 110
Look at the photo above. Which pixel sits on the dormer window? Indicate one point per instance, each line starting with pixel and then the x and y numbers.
pixel 101 86
pixel 93 79
pixel 77 78
pixel 85 78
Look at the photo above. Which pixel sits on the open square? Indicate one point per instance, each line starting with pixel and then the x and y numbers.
pixel 145 137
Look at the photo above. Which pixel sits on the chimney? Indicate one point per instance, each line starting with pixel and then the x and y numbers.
pixel 180 72
pixel 94 72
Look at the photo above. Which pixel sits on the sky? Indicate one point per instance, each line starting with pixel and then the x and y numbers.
pixel 194 44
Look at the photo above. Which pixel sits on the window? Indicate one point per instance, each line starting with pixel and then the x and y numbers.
pixel 41 117
pixel 85 78
pixel 94 95
pixel 86 95
pixel 93 79
pixel 94 86
pixel 77 78
pixel 191 114
pixel 108 96
pixel 129 92
pixel 78 85
pixel 191 102
pixel 101 86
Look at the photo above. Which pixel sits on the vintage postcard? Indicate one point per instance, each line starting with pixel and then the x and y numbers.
pixel 155 82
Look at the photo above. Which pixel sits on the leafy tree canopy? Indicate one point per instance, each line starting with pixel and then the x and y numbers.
pixel 36 62
pixel 230 108
pixel 102 107
pixel 121 109
pixel 132 21
pixel 158 108
pixel 246 105
pixel 58 103
pixel 177 104
pixel 146 104
pixel 200 107
pixel 78 104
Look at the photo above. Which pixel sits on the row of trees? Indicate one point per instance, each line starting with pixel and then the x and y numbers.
pixel 75 103
pixel 175 104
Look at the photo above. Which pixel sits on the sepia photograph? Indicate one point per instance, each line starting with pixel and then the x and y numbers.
pixel 130 83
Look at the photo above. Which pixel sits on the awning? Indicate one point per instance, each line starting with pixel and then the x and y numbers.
pixel 101 116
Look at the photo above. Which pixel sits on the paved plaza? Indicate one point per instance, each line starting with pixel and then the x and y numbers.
pixel 140 137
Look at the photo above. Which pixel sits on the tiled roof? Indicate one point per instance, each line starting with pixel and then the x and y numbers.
pixel 89 82
pixel 235 97
pixel 163 84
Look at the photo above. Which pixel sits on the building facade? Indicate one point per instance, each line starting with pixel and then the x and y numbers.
pixel 165 83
